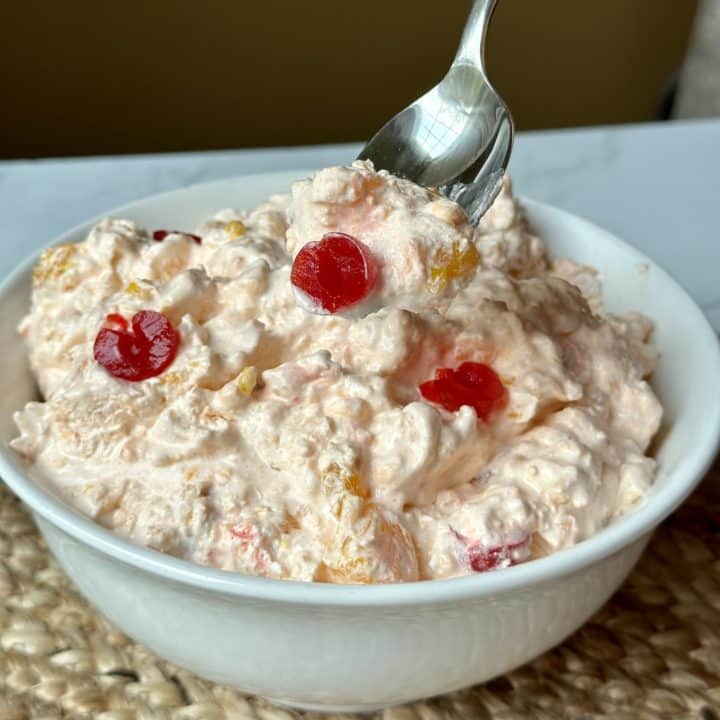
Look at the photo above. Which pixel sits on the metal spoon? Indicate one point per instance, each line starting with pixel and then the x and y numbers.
pixel 458 136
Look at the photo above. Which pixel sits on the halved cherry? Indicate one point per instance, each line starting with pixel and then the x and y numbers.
pixel 144 350
pixel 336 272
pixel 160 235
pixel 473 384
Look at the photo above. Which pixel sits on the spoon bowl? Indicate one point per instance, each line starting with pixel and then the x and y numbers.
pixel 458 136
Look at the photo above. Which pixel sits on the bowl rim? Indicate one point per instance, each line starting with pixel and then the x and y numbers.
pixel 619 535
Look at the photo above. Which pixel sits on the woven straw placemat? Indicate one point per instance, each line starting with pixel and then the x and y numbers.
pixel 652 652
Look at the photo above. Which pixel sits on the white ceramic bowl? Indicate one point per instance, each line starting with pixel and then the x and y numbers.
pixel 358 648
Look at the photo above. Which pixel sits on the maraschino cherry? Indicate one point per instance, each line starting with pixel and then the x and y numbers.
pixel 137 352
pixel 482 558
pixel 335 273
pixel 160 235
pixel 474 384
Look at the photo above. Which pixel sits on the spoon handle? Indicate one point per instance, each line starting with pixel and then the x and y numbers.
pixel 472 43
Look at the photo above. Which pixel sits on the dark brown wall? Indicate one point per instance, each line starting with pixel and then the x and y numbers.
pixel 103 77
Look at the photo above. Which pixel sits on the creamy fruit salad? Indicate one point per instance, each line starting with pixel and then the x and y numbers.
pixel 347 384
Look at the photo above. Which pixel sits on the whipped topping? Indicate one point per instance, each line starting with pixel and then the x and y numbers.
pixel 291 444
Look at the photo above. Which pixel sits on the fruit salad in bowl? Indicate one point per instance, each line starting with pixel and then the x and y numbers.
pixel 347 384
pixel 343 449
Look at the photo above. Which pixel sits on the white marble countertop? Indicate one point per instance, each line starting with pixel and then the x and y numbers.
pixel 655 185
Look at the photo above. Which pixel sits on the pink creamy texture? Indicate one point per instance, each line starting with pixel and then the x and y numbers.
pixel 291 444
